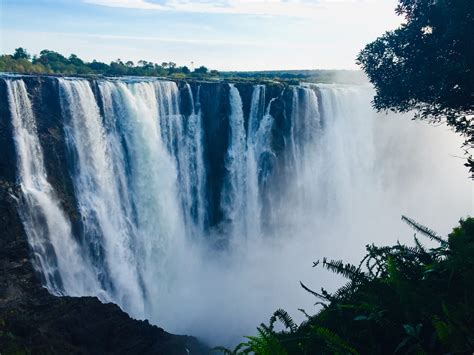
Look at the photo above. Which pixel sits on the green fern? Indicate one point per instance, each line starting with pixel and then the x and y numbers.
pixel 424 230
pixel 333 341
pixel 286 319
pixel 349 271
pixel 323 296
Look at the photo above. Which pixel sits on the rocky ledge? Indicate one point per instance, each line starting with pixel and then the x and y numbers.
pixel 32 321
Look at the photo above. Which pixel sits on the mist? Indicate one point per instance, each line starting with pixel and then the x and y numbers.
pixel 354 183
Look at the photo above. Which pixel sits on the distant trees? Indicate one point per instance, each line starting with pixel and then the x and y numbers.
pixel 20 62
pixel 427 64
pixel 201 70
pixel 51 62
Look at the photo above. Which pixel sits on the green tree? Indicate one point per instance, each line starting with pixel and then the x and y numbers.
pixel 427 64
pixel 75 60
pixel 201 70
pixel 52 62
pixel 21 53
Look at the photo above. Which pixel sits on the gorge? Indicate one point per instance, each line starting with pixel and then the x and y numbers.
pixel 200 205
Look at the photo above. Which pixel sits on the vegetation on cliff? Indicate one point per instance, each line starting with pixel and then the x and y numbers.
pixel 50 62
pixel 399 299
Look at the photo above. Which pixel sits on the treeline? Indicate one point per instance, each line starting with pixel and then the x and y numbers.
pixel 51 62
pixel 315 76
pixel 398 300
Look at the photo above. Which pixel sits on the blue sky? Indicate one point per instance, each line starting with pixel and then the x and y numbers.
pixel 221 34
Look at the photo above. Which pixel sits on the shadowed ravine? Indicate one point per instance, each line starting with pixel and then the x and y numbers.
pixel 199 206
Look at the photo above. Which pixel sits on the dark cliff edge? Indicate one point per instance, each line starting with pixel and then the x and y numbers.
pixel 32 320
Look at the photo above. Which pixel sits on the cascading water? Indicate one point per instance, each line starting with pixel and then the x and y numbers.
pixel 233 195
pixel 183 137
pixel 195 162
pixel 106 222
pixel 246 161
pixel 305 122
pixel 140 160
pixel 57 255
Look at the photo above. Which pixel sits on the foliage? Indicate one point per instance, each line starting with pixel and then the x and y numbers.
pixel 294 77
pixel 427 64
pixel 51 62
pixel 21 53
pixel 399 299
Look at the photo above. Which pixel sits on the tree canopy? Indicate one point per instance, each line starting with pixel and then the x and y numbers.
pixel 21 53
pixel 427 64
pixel 51 62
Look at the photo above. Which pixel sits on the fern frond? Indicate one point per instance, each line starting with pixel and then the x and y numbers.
pixel 286 319
pixel 348 270
pixel 316 294
pixel 263 332
pixel 304 312
pixel 359 268
pixel 420 246
pixel 334 341
pixel 424 230
pixel 266 329
pixel 345 291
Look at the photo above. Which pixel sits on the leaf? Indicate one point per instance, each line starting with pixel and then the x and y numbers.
pixel 402 344
pixel 409 330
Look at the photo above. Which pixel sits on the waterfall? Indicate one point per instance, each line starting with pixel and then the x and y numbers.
pixel 259 155
pixel 305 124
pixel 233 197
pixel 183 137
pixel 142 110
pixel 346 152
pixel 106 223
pixel 246 161
pixel 293 173
pixel 195 160
pixel 56 253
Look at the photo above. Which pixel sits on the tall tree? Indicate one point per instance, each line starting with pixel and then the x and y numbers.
pixel 427 64
pixel 21 53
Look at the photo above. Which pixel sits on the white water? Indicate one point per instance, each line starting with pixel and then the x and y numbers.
pixel 195 161
pixel 47 228
pixel 107 224
pixel 140 181
pixel 245 164
pixel 233 196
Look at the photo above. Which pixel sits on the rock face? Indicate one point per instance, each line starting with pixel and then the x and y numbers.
pixel 31 319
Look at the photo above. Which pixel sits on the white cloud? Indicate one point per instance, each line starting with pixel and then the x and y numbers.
pixel 292 8
pixel 326 34
pixel 131 4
